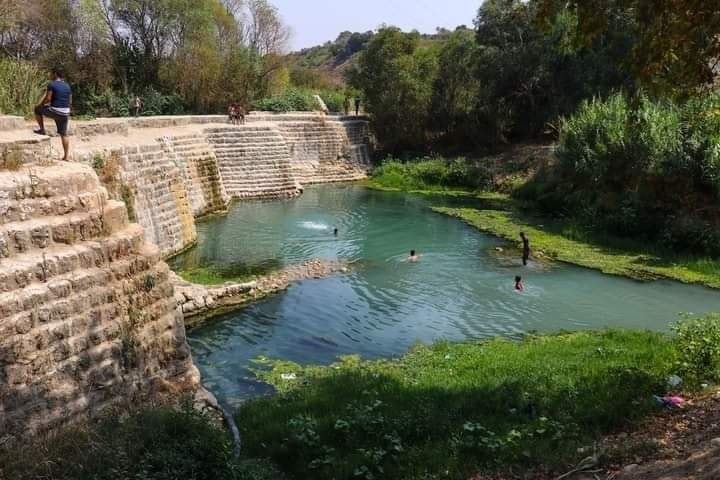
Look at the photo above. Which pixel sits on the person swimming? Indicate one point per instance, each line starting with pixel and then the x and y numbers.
pixel 335 231
pixel 519 284
pixel 414 257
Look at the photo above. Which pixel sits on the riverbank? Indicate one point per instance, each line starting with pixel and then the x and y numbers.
pixel 450 410
pixel 553 241
pixel 494 410
pixel 199 302
pixel 499 214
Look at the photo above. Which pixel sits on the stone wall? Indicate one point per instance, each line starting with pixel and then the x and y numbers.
pixel 195 158
pixel 254 161
pixel 157 194
pixel 87 314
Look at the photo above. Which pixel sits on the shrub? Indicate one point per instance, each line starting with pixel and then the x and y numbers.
pixel 335 100
pixel 115 104
pixel 293 100
pixel 431 172
pixel 159 444
pixel 698 348
pixel 639 168
pixel 23 83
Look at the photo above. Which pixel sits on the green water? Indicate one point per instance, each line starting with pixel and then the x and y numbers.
pixel 460 289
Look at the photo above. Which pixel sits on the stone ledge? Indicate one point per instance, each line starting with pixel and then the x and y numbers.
pixel 199 303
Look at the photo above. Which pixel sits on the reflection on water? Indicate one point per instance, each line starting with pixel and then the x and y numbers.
pixel 460 288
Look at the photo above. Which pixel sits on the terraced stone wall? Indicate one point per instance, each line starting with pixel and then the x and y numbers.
pixel 156 191
pixel 254 161
pixel 195 165
pixel 87 314
pixel 195 158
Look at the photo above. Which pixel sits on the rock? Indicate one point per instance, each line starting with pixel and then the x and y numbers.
pixel 630 468
pixel 715 442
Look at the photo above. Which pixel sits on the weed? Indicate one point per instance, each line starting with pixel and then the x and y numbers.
pixel 698 346
pixel 128 198
pixel 12 158
pixel 149 283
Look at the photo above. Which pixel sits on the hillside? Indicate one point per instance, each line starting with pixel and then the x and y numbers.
pixel 334 58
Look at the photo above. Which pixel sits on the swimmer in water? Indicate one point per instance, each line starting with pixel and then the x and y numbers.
pixel 518 284
pixel 414 257
pixel 335 231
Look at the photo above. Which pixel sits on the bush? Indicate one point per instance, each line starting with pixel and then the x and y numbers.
pixel 116 104
pixel 293 100
pixel 158 444
pixel 643 168
pixel 698 348
pixel 431 173
pixel 22 84
pixel 335 100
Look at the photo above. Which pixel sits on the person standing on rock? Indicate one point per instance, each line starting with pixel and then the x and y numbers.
pixel 357 106
pixel 56 104
pixel 526 248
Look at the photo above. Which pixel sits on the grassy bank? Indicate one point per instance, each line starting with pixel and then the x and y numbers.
pixel 448 410
pixel 561 241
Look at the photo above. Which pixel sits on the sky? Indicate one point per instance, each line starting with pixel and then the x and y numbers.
pixel 314 22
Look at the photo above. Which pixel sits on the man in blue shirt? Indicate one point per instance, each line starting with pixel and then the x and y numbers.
pixel 56 104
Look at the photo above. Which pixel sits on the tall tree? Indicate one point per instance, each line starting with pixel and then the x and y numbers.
pixel 396 76
pixel 678 46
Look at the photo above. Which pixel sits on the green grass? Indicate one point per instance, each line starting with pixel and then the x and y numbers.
pixel 435 174
pixel 233 273
pixel 562 242
pixel 450 410
pixel 210 276
pixel 157 443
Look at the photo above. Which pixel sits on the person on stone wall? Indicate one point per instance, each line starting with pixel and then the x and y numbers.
pixel 346 105
pixel 55 104
pixel 136 106
pixel 357 106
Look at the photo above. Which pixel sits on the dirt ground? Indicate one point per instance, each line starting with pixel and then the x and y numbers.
pixel 680 444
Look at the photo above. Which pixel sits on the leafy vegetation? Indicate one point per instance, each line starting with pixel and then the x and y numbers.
pixel 430 174
pixel 446 410
pixel 677 47
pixel 178 55
pixel 506 80
pixel 159 444
pixel 649 171
pixel 698 345
pixel 22 84
pixel 570 243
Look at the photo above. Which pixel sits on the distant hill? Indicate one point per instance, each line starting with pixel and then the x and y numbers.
pixel 333 58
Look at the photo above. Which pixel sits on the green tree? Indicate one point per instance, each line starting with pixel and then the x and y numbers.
pixel 457 87
pixel 396 76
pixel 678 45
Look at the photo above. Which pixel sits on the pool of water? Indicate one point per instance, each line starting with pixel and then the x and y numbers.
pixel 460 289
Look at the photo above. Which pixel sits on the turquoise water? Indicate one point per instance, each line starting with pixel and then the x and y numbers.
pixel 460 289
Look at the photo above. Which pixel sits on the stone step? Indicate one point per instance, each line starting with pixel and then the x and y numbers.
pixel 57 180
pixel 29 268
pixel 41 233
pixel 21 210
